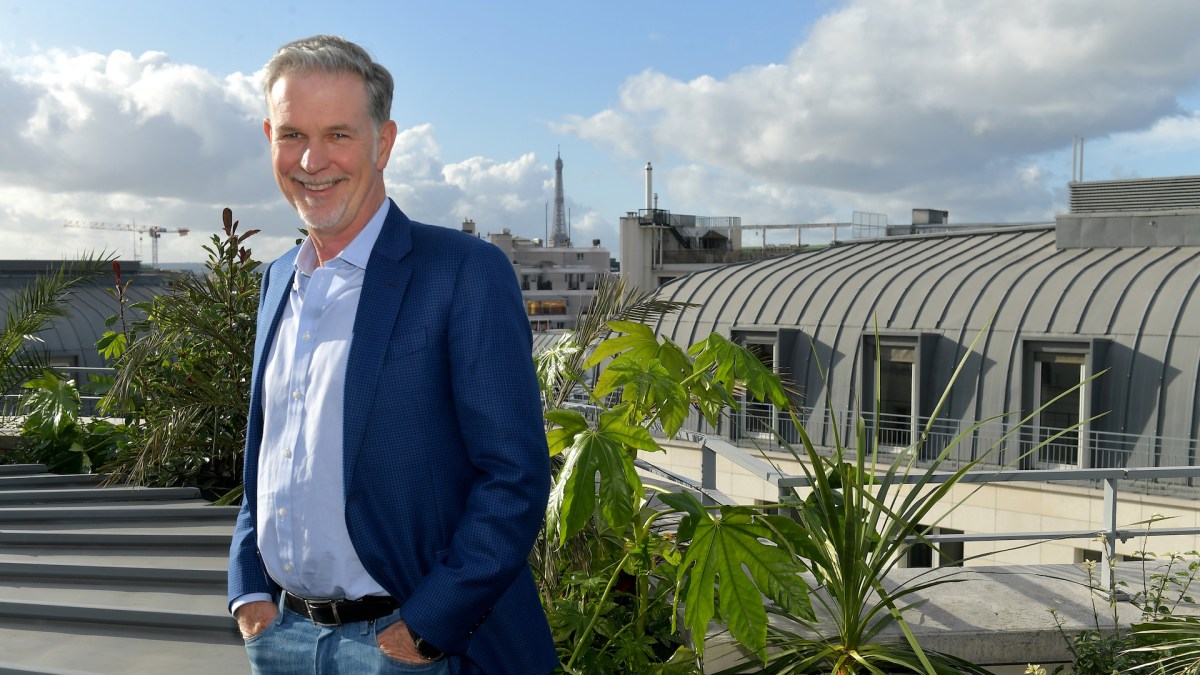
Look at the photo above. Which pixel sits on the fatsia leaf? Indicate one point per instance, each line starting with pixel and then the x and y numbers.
pixel 639 342
pixel 691 507
pixel 606 451
pixel 709 397
pixel 649 388
pixel 52 404
pixel 733 363
pixel 570 423
pixel 728 558
pixel 675 359
pixel 555 365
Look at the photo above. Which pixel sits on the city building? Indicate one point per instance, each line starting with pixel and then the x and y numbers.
pixel 558 279
pixel 1094 319
pixel 658 246
pixel 557 282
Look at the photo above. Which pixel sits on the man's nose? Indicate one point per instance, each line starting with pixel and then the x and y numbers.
pixel 315 158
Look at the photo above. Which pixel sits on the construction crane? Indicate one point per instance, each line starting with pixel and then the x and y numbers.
pixel 154 231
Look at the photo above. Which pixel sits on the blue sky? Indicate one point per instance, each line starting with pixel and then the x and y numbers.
pixel 777 112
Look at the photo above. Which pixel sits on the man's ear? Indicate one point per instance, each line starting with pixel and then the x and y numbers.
pixel 267 128
pixel 387 138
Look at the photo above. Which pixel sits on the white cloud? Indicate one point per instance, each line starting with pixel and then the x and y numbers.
pixel 121 138
pixel 911 102
pixel 141 125
pixel 495 194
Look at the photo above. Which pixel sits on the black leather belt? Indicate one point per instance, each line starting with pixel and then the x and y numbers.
pixel 338 612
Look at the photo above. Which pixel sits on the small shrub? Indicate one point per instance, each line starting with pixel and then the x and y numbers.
pixel 183 373
pixel 53 433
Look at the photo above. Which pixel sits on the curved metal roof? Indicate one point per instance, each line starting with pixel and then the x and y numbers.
pixel 1142 302
pixel 89 306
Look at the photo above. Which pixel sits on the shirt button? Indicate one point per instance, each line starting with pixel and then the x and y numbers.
pixel 287 454
pixel 282 512
pixel 296 394
pixel 287 567
pixel 307 336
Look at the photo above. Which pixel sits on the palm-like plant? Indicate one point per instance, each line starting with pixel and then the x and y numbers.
pixel 30 311
pixel 856 522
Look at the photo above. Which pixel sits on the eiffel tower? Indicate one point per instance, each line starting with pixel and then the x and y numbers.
pixel 559 238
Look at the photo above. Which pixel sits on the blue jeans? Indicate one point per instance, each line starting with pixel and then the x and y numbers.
pixel 293 645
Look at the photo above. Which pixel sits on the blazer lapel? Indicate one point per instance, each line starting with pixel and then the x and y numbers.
pixel 378 310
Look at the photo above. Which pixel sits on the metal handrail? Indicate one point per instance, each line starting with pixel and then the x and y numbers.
pixel 712 446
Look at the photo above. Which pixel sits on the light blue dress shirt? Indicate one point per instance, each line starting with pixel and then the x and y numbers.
pixel 302 533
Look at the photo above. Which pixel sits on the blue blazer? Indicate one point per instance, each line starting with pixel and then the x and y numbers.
pixel 446 471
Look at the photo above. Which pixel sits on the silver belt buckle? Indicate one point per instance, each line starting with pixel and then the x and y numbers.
pixel 331 604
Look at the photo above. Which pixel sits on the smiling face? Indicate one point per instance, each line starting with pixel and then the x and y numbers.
pixel 327 154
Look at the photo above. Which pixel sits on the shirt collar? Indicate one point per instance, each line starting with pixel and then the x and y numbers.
pixel 356 253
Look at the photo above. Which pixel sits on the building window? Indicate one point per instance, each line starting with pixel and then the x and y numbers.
pixel 1091 555
pixel 541 307
pixel 946 553
pixel 893 399
pixel 66 362
pixel 1058 374
pixel 758 419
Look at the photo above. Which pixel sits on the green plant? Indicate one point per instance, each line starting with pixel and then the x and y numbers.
pixel 1166 640
pixel 30 310
pixel 1096 651
pixel 1163 641
pixel 53 433
pixel 855 522
pixel 611 577
pixel 183 372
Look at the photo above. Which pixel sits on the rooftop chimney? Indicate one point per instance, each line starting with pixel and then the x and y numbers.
pixel 649 186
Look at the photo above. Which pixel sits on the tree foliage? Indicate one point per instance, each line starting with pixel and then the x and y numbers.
pixel 612 599
pixel 183 372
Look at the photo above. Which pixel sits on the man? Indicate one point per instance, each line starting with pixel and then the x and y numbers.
pixel 396 466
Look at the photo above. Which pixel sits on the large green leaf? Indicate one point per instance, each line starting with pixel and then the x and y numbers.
pixel 51 405
pixel 710 397
pixel 570 423
pixel 639 339
pixel 733 364
pixel 727 558
pixel 649 387
pixel 607 451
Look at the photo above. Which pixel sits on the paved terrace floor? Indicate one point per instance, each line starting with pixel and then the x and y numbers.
pixel 116 580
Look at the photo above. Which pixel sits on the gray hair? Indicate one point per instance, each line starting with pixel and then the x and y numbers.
pixel 333 54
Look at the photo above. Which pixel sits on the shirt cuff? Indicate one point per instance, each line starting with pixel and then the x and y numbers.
pixel 247 599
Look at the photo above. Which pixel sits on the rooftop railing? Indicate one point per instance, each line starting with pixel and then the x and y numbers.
pixel 1110 479
pixel 1000 446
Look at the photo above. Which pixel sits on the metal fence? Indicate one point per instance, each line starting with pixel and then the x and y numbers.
pixel 89 394
pixel 999 442
pixel 1112 481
